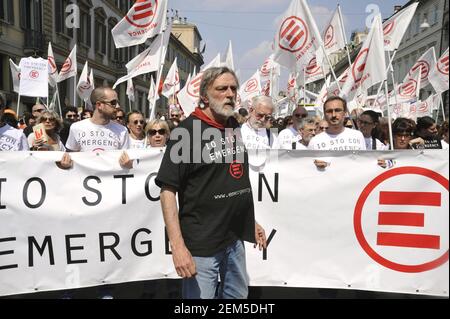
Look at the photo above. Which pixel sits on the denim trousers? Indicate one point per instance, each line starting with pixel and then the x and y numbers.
pixel 230 265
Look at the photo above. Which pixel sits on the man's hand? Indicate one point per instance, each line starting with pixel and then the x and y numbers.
pixel 321 164
pixel 125 161
pixel 183 262
pixel 66 162
pixel 260 237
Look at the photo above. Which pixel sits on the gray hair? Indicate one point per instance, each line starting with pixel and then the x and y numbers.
pixel 305 122
pixel 262 99
pixel 210 75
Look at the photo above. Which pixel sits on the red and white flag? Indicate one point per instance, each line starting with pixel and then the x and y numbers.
pixel 172 83
pixel 69 68
pixel 427 62
pixel 333 36
pixel 368 68
pixel 85 84
pixel 269 66
pixel 292 90
pixel 250 88
pixel 130 90
pixel 312 72
pixel 394 28
pixel 52 68
pixel 439 74
pixel 297 38
pixel 189 96
pixel 152 93
pixel 15 73
pixel 145 19
pixel 409 89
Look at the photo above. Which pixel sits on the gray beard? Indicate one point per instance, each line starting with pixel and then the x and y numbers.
pixel 220 110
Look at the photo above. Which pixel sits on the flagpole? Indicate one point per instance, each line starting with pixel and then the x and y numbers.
pixel 344 35
pixel 159 75
pixel 392 74
pixel 382 83
pixel 442 106
pixel 304 87
pixel 331 68
pixel 59 102
pixel 391 137
pixel 18 106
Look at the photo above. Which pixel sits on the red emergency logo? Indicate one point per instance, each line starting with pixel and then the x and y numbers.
pixel 143 13
pixel 34 74
pixel 425 69
pixel 408 89
pixel 313 68
pixel 193 88
pixel 293 34
pixel 387 29
pixel 67 66
pixel 360 65
pixel 329 35
pixel 442 65
pixel 236 170
pixel 252 86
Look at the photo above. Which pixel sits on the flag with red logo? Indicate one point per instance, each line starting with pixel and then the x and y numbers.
pixel 313 71
pixel 395 27
pixel 409 89
pixel 69 68
pixel 85 86
pixel 269 66
pixel 438 76
pixel 145 19
pixel 130 90
pixel 427 62
pixel 189 96
pixel 172 83
pixel 15 73
pixel 250 88
pixel 52 68
pixel 368 67
pixel 333 36
pixel 297 38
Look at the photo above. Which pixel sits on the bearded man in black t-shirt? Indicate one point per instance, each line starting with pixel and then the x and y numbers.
pixel 206 164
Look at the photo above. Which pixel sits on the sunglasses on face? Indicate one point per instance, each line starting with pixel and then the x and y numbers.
pixel 39 110
pixel 45 119
pixel 69 116
pixel 160 132
pixel 138 122
pixel 113 103
pixel 300 116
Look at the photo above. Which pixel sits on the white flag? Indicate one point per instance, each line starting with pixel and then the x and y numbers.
pixel 409 89
pixel 34 77
pixel 52 68
pixel 130 90
pixel 333 37
pixel 148 61
pixel 439 74
pixel 394 29
pixel 15 73
pixel 313 71
pixel 189 96
pixel 297 38
pixel 229 62
pixel 269 66
pixel 145 19
pixel 69 68
pixel 172 83
pixel 368 68
pixel 250 88
pixel 292 91
pixel 85 86
pixel 427 62
pixel 152 93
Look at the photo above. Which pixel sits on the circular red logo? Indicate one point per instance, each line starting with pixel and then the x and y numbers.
pixel 401 217
pixel 293 34
pixel 425 69
pixel 442 65
pixel 34 74
pixel 265 69
pixel 360 65
pixel 67 66
pixel 236 170
pixel 423 107
pixel 193 88
pixel 329 35
pixel 252 86
pixel 387 29
pixel 409 88
pixel 143 13
pixel 51 61
pixel 312 67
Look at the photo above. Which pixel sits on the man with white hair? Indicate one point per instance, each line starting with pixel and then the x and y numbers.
pixel 255 133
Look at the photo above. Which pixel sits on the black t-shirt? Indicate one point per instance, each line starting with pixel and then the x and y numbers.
pixel 214 193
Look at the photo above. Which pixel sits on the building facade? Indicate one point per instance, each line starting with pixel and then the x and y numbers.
pixel 27 26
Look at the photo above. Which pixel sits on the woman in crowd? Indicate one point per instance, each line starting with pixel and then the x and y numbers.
pixel 427 130
pixel 403 130
pixel 368 123
pixel 158 133
pixel 136 124
pixel 52 141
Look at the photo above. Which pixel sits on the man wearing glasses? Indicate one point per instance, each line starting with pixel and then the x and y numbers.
pixel 99 133
pixel 255 132
pixel 291 135
pixel 36 111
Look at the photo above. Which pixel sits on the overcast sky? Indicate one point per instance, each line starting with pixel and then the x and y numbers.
pixel 251 24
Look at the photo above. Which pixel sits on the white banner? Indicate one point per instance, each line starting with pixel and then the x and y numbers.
pixel 34 77
pixel 352 226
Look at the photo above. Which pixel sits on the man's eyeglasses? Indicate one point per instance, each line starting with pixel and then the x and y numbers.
pixel 175 115
pixel 39 110
pixel 45 119
pixel 365 122
pixel 160 132
pixel 71 116
pixel 138 122
pixel 323 128
pixel 113 103
pixel 266 117
pixel 300 115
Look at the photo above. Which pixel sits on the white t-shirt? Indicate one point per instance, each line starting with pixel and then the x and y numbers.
pixel 348 140
pixel 85 136
pixel 287 137
pixel 380 146
pixel 444 145
pixel 12 139
pixel 258 139
pixel 137 144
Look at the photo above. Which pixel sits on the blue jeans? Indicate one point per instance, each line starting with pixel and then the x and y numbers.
pixel 230 265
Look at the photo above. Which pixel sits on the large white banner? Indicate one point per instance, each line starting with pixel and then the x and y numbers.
pixel 353 226
pixel 33 77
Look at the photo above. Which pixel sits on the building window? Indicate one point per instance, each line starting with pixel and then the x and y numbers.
pixel 7 11
pixel 100 31
pixel 113 52
pixel 123 5
pixel 31 15
pixel 416 24
pixel 84 32
pixel 60 17
pixel 434 14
